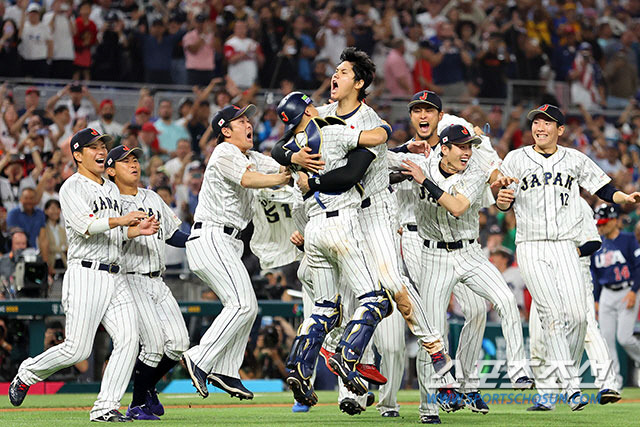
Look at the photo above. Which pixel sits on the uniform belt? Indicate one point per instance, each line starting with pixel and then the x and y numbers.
pixel 618 286
pixel 450 246
pixel 227 230
pixel 110 268
pixel 412 227
pixel 331 214
pixel 153 274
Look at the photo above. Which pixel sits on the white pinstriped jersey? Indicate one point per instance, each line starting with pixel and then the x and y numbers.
pixel 83 201
pixel 406 199
pixel 376 178
pixel 435 222
pixel 588 230
pixel 548 194
pixel 337 141
pixel 146 254
pixel 222 199
pixel 273 224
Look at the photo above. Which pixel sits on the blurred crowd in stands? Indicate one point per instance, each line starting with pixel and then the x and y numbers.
pixel 229 51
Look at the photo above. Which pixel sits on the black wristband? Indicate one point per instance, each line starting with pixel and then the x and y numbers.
pixel 314 184
pixel 504 210
pixel 433 189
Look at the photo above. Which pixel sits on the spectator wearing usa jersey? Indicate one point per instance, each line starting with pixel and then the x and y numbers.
pixel 243 55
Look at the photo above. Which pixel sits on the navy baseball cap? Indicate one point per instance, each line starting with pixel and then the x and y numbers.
pixel 605 213
pixel 120 152
pixel 229 114
pixel 426 97
pixel 291 109
pixel 87 136
pixel 551 111
pixel 458 134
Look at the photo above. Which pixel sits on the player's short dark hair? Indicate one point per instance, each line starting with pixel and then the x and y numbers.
pixel 363 68
pixel 163 187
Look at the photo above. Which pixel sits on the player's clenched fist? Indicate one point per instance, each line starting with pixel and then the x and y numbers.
pixel 505 198
pixel 297 238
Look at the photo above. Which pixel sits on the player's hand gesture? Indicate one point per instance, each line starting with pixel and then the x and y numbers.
pixel 632 198
pixel 148 226
pixel 303 182
pixel 133 218
pixel 503 181
pixel 506 196
pixel 285 176
pixel 630 300
pixel 413 170
pixel 311 162
pixel 419 147
pixel 297 238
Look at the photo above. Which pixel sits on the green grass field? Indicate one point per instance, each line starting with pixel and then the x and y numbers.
pixel 274 409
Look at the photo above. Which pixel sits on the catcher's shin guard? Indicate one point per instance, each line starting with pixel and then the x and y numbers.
pixel 306 346
pixel 374 306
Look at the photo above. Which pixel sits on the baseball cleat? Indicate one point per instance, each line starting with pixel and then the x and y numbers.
pixel 350 406
pixel 608 395
pixel 302 389
pixel 371 398
pixel 198 376
pixel 231 385
pixel 430 419
pixel 349 375
pixel 524 383
pixel 300 407
pixel 449 400
pixel 367 371
pixel 442 363
pixel 539 407
pixel 390 414
pixel 113 416
pixel 17 391
pixel 141 412
pixel 153 403
pixel 578 401
pixel 474 402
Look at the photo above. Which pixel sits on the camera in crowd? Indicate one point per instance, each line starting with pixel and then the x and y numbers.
pixel 30 275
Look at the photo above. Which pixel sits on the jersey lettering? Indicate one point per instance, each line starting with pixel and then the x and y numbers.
pixel 559 180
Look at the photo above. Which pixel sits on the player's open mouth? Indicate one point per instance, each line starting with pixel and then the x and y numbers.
pixel 334 85
pixel 424 126
pixel 464 160
pixel 250 135
pixel 100 160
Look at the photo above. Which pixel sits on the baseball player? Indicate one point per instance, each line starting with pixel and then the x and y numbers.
pixel 450 189
pixel 596 347
pixel 616 275
pixel 546 204
pixel 214 250
pixel 272 227
pixel 348 88
pixel 163 333
pixel 94 288
pixel 427 118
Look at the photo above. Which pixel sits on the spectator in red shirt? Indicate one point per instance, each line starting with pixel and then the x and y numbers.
pixel 86 36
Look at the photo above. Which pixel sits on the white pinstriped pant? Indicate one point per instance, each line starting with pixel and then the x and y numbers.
pixel 91 297
pixel 473 307
pixel 442 270
pixel 214 257
pixel 551 271
pixel 594 344
pixel 162 327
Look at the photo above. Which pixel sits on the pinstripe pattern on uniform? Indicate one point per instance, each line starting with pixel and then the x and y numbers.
pixel 83 201
pixel 222 199
pixel 162 327
pixel 550 268
pixel 376 178
pixel 273 224
pixel 215 258
pixel 146 254
pixel 550 187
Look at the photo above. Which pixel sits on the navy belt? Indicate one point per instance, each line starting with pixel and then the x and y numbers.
pixel 618 286
pixel 450 246
pixel 110 268
pixel 412 227
pixel 227 230
pixel 152 274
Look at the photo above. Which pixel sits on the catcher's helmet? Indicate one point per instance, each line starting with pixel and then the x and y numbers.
pixel 291 109
pixel 605 212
